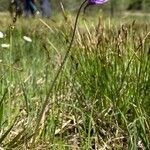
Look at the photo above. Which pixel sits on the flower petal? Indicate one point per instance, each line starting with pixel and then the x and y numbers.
pixel 5 45
pixel 97 2
pixel 28 39
pixel 1 35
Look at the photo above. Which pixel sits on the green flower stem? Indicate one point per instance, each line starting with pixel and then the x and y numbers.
pixel 46 102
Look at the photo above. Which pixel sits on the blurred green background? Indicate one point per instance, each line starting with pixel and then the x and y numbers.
pixel 114 6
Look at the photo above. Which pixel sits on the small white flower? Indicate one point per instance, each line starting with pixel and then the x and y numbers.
pixel 28 39
pixel 1 35
pixel 0 60
pixel 37 12
pixel 5 45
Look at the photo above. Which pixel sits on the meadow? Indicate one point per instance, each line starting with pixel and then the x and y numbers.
pixel 101 98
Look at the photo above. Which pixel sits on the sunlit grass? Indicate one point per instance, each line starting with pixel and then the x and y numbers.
pixel 101 99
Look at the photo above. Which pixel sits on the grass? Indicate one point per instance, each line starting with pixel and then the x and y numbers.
pixel 101 99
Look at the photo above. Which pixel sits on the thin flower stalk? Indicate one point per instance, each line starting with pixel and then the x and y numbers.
pixel 44 110
pixel 46 102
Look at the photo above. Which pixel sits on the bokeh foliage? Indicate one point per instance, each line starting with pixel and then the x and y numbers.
pixel 144 5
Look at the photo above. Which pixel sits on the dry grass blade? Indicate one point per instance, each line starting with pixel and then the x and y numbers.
pixel 1 105
pixel 6 133
pixel 15 139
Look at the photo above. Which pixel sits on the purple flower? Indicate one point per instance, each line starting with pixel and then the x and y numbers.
pixel 96 2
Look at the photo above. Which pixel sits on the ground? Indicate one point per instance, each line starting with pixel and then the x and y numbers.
pixel 101 97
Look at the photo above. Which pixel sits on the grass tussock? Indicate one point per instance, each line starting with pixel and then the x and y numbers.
pixel 101 99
